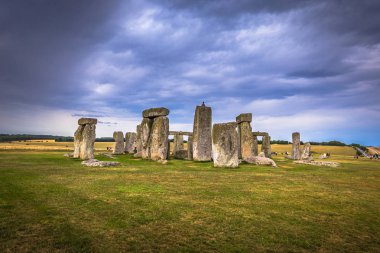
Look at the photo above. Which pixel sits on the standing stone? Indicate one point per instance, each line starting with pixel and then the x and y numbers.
pixel 225 145
pixel 130 142
pixel 190 148
pixel 77 141
pixel 265 146
pixel 306 152
pixel 202 143
pixel 119 143
pixel 255 146
pixel 146 128
pixel 159 138
pixel 296 146
pixel 138 138
pixel 245 140
pixel 178 143
pixel 87 143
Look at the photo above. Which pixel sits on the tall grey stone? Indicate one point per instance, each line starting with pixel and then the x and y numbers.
pixel 306 152
pixel 78 140
pixel 130 142
pixel 119 143
pixel 159 138
pixel 190 148
pixel 265 146
pixel 225 145
pixel 202 143
pixel 138 138
pixel 245 140
pixel 255 145
pixel 296 146
pixel 177 143
pixel 88 141
pixel 146 128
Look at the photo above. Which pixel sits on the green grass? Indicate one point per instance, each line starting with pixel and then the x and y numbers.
pixel 49 203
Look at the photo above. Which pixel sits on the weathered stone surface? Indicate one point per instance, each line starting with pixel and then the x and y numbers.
pixel 77 141
pixel 155 112
pixel 260 133
pixel 261 154
pixel 225 145
pixel 177 144
pixel 265 146
pixel 118 148
pixel 306 151
pixel 138 154
pixel 85 121
pixel 244 117
pixel 87 142
pixel 190 148
pixel 138 138
pixel 146 128
pixel 246 139
pixel 181 154
pixel 318 163
pixel 97 163
pixel 258 160
pixel 202 143
pixel 130 142
pixel 255 146
pixel 159 138
pixel 296 146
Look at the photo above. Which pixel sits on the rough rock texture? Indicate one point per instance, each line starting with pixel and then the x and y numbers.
pixel 190 148
pixel 146 128
pixel 265 146
pixel 155 112
pixel 261 154
pixel 138 138
pixel 306 151
pixel 85 121
pixel 96 163
pixel 177 144
pixel 258 160
pixel 138 154
pixel 87 143
pixel 181 154
pixel 246 139
pixel 119 143
pixel 130 142
pixel 255 146
pixel 225 145
pixel 159 138
pixel 296 146
pixel 77 141
pixel 244 117
pixel 202 143
pixel 318 163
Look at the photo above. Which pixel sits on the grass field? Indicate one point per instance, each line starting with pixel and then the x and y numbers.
pixel 50 203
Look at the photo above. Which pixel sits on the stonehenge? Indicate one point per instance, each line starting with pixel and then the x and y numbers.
pixel 84 139
pixel 202 143
pixel 225 145
pixel 245 140
pixel 265 145
pixel 119 143
pixel 178 144
pixel 306 152
pixel 154 134
pixel 296 146
pixel 179 150
pixel 130 142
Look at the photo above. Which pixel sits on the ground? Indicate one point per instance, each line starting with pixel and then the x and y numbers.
pixel 50 203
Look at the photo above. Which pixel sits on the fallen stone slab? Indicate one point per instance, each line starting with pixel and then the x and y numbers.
pixel 85 121
pixel 107 155
pixel 155 112
pixel 318 163
pixel 259 160
pixel 97 163
pixel 69 155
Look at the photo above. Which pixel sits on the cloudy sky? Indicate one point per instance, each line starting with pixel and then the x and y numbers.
pixel 308 66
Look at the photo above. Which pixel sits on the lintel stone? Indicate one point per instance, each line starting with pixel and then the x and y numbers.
pixel 244 117
pixel 85 121
pixel 155 112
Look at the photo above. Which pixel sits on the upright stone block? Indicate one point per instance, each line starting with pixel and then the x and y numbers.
pixel 159 138
pixel 245 139
pixel 178 143
pixel 190 148
pixel 225 145
pixel 130 142
pixel 255 146
pixel 202 143
pixel 146 128
pixel 306 152
pixel 265 146
pixel 77 141
pixel 87 143
pixel 138 138
pixel 119 143
pixel 296 146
